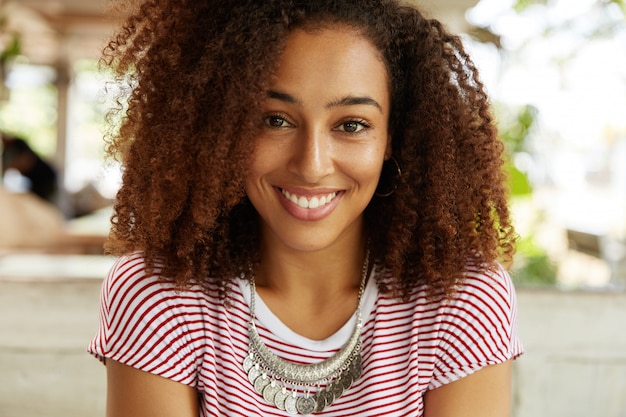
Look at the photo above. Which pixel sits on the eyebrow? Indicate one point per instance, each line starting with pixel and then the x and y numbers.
pixel 288 98
pixel 343 101
pixel 354 101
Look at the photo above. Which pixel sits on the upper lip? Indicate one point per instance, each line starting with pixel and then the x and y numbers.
pixel 308 192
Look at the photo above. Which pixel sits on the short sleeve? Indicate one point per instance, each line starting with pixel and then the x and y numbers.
pixel 478 327
pixel 149 325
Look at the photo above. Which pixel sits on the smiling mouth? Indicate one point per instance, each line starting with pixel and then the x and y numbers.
pixel 309 203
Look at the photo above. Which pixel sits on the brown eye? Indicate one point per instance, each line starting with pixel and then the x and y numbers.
pixel 353 126
pixel 276 121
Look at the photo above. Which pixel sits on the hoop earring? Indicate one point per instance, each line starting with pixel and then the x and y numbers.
pixel 388 178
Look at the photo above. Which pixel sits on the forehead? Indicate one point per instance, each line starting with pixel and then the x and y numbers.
pixel 328 58
pixel 332 33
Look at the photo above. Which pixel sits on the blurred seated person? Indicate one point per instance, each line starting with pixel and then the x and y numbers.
pixel 27 221
pixel 42 177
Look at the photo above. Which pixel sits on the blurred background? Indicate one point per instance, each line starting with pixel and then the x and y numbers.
pixel 556 73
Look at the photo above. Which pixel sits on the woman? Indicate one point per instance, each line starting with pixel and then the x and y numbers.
pixel 311 219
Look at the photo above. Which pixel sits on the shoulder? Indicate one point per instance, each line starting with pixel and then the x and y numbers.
pixel 148 323
pixel 126 269
pixel 483 300
pixel 479 283
pixel 480 318
pixel 128 279
pixel 130 288
pixel 477 325
pixel 131 272
pixel 486 288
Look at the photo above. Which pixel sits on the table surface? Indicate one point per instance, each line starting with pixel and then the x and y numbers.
pixel 46 267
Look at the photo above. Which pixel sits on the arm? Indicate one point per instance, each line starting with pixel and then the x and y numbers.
pixel 135 393
pixel 485 393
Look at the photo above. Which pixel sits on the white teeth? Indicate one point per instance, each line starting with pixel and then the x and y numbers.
pixel 314 202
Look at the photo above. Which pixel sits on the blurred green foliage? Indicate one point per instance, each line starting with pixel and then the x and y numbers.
pixel 521 5
pixel 514 134
pixel 532 264
pixel 10 45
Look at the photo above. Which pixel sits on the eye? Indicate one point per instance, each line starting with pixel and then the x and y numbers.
pixel 353 126
pixel 276 121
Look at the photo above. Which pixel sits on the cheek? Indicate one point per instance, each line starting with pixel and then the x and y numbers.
pixel 260 161
pixel 376 154
pixel 265 161
pixel 255 170
pixel 365 167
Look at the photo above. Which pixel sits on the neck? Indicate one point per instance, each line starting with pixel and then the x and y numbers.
pixel 319 287
pixel 308 273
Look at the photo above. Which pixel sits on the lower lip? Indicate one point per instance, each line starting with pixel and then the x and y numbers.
pixel 307 214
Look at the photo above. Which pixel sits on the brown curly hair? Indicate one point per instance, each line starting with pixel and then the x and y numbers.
pixel 191 77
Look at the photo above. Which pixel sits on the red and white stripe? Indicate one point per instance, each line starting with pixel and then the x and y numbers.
pixel 408 347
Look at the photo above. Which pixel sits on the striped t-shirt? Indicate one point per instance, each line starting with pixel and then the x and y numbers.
pixel 407 348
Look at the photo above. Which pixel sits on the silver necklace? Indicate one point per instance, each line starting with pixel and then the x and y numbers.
pixel 303 389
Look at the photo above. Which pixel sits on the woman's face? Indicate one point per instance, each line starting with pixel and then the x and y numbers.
pixel 318 159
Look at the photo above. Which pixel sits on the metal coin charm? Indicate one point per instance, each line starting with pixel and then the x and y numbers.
pixel 336 389
pixel 290 404
pixel 260 383
pixel 270 391
pixel 356 370
pixel 254 373
pixel 280 397
pixel 320 402
pixel 305 405
pixel 345 381
pixel 248 363
pixel 328 395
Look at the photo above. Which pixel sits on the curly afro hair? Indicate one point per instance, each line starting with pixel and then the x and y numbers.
pixel 191 76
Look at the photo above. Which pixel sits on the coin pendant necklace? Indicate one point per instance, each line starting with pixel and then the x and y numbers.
pixel 297 388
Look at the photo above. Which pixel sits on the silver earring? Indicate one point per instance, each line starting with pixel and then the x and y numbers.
pixel 388 178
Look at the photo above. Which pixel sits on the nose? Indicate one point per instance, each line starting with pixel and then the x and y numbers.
pixel 312 158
